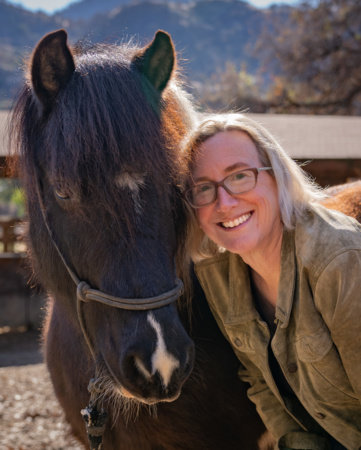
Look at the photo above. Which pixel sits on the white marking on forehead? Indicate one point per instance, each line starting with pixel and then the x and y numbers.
pixel 130 180
pixel 162 361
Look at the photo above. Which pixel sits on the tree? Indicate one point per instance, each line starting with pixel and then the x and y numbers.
pixel 318 50
pixel 232 88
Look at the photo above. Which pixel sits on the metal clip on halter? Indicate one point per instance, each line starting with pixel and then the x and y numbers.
pixel 95 420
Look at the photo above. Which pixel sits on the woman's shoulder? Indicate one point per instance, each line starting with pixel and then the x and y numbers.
pixel 321 221
pixel 324 234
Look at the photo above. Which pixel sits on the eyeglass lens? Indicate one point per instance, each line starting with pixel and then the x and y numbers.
pixel 236 183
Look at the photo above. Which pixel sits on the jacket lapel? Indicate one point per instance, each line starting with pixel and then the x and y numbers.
pixel 287 284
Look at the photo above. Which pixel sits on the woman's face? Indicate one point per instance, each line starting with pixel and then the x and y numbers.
pixel 240 223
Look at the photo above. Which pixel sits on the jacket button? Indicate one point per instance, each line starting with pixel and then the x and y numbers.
pixel 238 342
pixel 320 415
pixel 292 367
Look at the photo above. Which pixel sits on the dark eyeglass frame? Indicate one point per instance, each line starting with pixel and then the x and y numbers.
pixel 216 184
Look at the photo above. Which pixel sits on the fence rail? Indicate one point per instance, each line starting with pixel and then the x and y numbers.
pixel 11 235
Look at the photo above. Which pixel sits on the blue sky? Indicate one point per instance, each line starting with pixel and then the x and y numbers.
pixel 52 5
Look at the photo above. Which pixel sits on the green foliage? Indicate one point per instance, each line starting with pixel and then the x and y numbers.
pixel 18 199
pixel 232 88
pixel 318 51
pixel 12 198
pixel 309 62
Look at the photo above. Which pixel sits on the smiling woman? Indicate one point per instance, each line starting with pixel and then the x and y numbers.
pixel 222 145
pixel 281 276
pixel 242 222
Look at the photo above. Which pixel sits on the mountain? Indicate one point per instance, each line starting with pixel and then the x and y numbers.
pixel 85 9
pixel 207 33
pixel 19 31
pixel 20 28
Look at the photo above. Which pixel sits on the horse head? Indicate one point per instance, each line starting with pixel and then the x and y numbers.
pixel 100 127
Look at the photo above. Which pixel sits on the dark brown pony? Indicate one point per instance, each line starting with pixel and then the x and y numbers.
pixel 98 130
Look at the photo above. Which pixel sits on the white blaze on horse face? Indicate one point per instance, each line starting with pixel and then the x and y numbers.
pixel 132 181
pixel 162 361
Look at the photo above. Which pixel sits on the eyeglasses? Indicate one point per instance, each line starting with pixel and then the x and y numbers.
pixel 204 194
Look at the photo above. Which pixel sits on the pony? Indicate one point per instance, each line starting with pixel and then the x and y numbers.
pixel 98 130
pixel 345 198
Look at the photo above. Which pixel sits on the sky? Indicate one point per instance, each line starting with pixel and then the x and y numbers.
pixel 50 6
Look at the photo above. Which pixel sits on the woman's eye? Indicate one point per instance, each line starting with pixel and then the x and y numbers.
pixel 203 188
pixel 239 176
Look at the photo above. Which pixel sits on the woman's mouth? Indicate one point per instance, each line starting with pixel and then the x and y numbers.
pixel 236 222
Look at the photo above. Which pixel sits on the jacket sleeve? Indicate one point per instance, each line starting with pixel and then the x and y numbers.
pixel 286 431
pixel 338 298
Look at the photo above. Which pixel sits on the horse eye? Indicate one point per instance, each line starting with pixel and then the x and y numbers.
pixel 61 193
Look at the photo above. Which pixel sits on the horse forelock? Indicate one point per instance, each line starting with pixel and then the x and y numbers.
pixel 101 128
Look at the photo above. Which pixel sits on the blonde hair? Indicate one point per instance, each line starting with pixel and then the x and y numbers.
pixel 296 190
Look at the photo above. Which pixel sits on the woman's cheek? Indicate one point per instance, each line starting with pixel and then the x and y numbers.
pixel 200 217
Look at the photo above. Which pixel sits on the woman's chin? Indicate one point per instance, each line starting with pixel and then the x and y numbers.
pixel 238 239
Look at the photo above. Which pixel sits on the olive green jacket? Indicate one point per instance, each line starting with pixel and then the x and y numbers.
pixel 317 342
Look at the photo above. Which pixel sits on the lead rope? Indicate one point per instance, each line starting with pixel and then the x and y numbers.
pixel 95 420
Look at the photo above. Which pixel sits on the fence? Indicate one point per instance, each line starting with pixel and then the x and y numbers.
pixel 19 305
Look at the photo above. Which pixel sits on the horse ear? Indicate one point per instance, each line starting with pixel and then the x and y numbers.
pixel 157 60
pixel 52 66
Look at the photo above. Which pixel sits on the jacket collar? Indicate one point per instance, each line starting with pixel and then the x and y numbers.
pixel 287 284
pixel 241 304
pixel 226 280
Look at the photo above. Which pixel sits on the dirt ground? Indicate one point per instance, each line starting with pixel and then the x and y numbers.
pixel 30 417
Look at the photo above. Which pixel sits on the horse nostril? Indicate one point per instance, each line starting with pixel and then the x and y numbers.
pixel 133 367
pixel 138 363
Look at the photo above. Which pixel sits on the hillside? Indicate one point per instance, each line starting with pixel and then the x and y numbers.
pixel 19 31
pixel 207 33
pixel 85 9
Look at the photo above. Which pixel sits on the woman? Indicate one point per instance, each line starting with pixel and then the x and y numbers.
pixel 282 276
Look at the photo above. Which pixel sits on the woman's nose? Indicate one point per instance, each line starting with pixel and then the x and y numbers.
pixel 224 199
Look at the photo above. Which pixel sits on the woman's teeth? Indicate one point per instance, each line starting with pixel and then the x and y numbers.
pixel 236 222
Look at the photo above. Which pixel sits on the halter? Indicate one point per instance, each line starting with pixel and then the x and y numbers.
pixel 95 420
